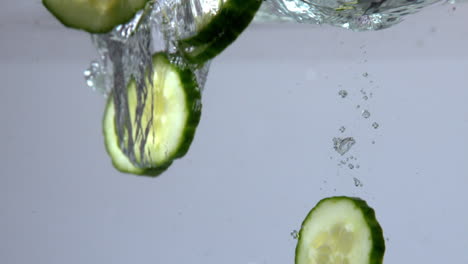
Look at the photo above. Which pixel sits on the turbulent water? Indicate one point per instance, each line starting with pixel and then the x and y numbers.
pixel 125 53
pixel 356 15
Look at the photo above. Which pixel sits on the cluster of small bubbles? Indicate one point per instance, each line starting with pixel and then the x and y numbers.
pixel 366 114
pixel 375 125
pixel 343 93
pixel 343 145
pixel 342 129
pixel 295 234
pixel 357 182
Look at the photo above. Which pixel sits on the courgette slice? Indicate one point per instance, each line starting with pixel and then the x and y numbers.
pixel 216 32
pixel 340 230
pixel 94 16
pixel 171 112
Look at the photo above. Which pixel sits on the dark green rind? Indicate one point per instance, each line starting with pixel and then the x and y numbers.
pixel 221 31
pixel 378 242
pixel 193 102
pixel 110 24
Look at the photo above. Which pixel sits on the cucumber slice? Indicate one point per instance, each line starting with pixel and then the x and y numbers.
pixel 94 16
pixel 220 30
pixel 340 230
pixel 171 108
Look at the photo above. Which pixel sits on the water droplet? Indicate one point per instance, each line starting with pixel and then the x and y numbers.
pixel 375 125
pixel 342 129
pixel 343 162
pixel 357 182
pixel 295 234
pixel 365 74
pixel 373 141
pixel 365 97
pixel 350 166
pixel 365 114
pixel 343 145
pixel 358 106
pixel 358 166
pixel 343 93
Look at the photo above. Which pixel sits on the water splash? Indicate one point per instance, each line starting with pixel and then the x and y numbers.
pixel 355 15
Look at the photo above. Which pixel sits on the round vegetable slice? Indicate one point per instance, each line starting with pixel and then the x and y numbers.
pixel 94 16
pixel 218 31
pixel 171 110
pixel 340 230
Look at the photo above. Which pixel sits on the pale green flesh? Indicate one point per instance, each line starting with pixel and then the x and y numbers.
pixel 165 114
pixel 335 233
pixel 167 100
pixel 96 16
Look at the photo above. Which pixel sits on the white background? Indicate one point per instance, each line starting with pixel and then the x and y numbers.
pixel 262 156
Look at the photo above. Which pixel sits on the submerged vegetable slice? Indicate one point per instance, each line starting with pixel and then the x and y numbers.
pixel 220 30
pixel 94 16
pixel 340 230
pixel 171 112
